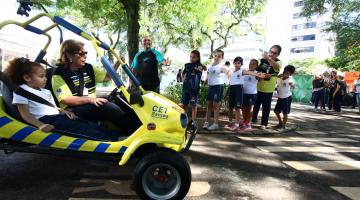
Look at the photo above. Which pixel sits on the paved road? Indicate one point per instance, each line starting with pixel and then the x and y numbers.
pixel 319 160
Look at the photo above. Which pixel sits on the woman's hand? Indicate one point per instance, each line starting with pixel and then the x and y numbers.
pixel 69 114
pixel 260 75
pixel 97 101
pixel 266 56
pixel 46 127
pixel 267 76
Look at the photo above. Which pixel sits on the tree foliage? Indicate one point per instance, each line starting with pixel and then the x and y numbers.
pixel 345 23
pixel 308 65
pixel 180 23
pixel 347 61
pixel 227 20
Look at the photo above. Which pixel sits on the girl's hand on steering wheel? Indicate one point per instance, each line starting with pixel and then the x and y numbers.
pixel 97 101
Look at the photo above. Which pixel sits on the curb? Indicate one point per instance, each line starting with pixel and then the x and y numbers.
pixel 351 115
pixel 256 131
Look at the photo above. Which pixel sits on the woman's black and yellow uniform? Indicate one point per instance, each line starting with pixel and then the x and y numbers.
pixel 66 83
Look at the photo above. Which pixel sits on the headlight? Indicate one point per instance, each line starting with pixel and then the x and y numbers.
pixel 183 120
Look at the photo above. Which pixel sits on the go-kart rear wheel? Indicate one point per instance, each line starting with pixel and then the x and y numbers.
pixel 163 174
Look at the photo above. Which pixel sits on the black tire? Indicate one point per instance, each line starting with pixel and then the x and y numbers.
pixel 163 174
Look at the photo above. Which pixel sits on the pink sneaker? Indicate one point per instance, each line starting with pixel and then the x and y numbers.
pixel 247 127
pixel 230 127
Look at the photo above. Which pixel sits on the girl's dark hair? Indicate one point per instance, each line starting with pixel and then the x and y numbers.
pixel 68 47
pixel 18 67
pixel 238 59
pixel 278 47
pixel 197 53
pixel 255 60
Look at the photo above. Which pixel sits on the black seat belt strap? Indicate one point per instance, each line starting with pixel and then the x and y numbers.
pixel 24 93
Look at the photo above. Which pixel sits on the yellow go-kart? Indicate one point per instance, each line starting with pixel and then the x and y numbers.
pixel 161 134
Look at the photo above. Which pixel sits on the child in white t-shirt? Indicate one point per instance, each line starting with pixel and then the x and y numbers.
pixel 283 104
pixel 216 87
pixel 250 94
pixel 30 76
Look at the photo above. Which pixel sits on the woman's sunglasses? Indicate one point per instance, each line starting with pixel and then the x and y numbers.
pixel 82 53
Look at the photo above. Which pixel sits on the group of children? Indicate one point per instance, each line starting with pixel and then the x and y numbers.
pixel 240 95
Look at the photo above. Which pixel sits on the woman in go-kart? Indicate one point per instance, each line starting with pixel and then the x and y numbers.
pixel 74 84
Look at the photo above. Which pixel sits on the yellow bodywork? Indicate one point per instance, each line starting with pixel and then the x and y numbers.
pixel 157 110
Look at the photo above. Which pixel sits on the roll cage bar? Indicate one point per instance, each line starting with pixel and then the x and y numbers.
pixel 97 44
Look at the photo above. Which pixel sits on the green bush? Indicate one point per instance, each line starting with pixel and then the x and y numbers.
pixel 173 92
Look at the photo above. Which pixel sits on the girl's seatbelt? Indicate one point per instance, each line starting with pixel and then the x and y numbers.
pixel 24 93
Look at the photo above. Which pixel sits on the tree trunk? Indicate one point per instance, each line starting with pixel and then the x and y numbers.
pixel 132 8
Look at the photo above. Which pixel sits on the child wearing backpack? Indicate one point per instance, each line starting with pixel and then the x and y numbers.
pixel 30 76
pixel 191 76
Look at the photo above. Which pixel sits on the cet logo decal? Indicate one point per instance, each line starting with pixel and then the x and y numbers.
pixel 159 112
pixel 58 91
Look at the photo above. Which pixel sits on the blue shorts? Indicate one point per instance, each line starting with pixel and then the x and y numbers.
pixel 249 99
pixel 188 98
pixel 283 105
pixel 236 96
pixel 215 93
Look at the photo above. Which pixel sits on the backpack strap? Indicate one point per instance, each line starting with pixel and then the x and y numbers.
pixel 24 93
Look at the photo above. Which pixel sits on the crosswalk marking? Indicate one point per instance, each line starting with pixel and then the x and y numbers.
pixel 297 139
pixel 357 136
pixel 312 132
pixel 351 192
pixel 324 165
pixel 313 144
pixel 319 149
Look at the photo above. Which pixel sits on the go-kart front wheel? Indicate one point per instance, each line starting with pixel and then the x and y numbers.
pixel 163 174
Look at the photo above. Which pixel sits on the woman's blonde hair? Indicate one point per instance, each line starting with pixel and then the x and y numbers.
pixel 68 47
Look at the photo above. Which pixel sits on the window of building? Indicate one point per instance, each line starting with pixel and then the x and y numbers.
pixel 303 38
pixel 304 26
pixel 296 15
pixel 302 50
pixel 298 4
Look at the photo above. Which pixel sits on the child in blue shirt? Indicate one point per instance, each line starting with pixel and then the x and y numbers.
pixel 191 83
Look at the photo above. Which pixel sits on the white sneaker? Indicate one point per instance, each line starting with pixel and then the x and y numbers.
pixel 213 127
pixel 262 127
pixel 206 125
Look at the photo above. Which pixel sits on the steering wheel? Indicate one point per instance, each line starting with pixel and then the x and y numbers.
pixel 112 95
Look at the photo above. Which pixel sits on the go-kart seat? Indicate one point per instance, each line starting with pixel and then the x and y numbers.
pixel 7 90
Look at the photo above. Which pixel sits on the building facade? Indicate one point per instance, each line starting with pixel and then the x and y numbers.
pixel 299 37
